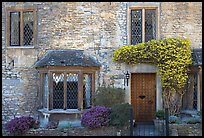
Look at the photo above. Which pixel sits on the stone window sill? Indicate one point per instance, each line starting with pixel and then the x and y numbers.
pixel 68 111
pixel 21 47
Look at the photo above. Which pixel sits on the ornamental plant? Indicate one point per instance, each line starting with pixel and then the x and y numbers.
pixel 96 117
pixel 160 114
pixel 171 55
pixel 109 96
pixel 120 115
pixel 20 125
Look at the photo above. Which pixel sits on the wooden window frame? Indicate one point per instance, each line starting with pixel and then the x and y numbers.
pixel 77 70
pixel 21 9
pixel 143 7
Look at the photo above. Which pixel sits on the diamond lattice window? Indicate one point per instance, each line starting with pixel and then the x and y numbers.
pixel 58 90
pixel 87 91
pixel 190 99
pixel 150 25
pixel 63 92
pixel 21 26
pixel 136 24
pixel 143 25
pixel 15 29
pixel 28 28
pixel 72 91
pixel 46 89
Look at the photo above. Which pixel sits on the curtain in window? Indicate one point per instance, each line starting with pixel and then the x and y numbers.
pixel 15 28
pixel 87 91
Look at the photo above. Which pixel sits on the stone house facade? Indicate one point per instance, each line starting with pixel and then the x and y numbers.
pixel 94 28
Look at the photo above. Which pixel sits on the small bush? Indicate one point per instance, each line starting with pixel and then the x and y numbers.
pixel 108 96
pixel 173 119
pixel 96 117
pixel 20 125
pixel 160 114
pixel 52 125
pixel 178 122
pixel 193 120
pixel 120 115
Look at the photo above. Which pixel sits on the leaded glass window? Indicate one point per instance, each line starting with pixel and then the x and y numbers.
pixel 58 90
pixel 63 90
pixel 136 24
pixel 45 92
pixel 150 25
pixel 15 28
pixel 87 91
pixel 195 93
pixel 21 24
pixel 143 25
pixel 28 28
pixel 72 91
pixel 190 98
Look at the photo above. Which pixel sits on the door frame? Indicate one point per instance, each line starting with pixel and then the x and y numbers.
pixel 144 68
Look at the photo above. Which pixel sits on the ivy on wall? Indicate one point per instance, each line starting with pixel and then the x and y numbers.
pixel 171 55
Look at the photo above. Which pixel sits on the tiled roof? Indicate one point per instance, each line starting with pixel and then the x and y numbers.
pixel 66 58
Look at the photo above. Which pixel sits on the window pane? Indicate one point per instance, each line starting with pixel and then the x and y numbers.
pixel 150 25
pixel 190 97
pixel 72 91
pixel 15 28
pixel 58 91
pixel 45 92
pixel 28 28
pixel 195 98
pixel 87 91
pixel 136 27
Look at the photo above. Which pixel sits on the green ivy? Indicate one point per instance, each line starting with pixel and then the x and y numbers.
pixel 171 55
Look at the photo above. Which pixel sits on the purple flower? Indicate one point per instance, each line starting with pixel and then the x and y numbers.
pixel 96 117
pixel 19 125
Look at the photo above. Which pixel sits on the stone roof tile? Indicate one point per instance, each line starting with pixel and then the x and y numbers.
pixel 67 58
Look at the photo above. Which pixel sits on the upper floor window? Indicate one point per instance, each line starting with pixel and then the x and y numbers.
pixel 21 26
pixel 143 25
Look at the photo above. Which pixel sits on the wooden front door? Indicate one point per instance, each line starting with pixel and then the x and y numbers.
pixel 143 90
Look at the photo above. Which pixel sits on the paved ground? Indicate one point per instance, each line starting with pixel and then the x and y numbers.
pixel 147 129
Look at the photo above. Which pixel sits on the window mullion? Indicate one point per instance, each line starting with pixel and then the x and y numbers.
pixel 21 28
pixel 35 27
pixel 50 77
pixel 65 90
pixel 42 91
pixel 93 89
pixel 143 25
pixel 80 91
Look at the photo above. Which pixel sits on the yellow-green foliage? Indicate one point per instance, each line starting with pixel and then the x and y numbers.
pixel 171 55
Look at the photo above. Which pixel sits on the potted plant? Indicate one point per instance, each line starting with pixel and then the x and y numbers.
pixel 159 122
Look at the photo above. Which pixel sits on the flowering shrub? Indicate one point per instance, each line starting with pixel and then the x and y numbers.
pixel 96 117
pixel 20 125
pixel 172 56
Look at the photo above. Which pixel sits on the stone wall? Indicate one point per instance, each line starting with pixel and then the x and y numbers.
pixel 182 19
pixel 96 27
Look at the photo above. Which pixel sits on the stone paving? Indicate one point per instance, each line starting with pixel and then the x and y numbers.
pixel 147 129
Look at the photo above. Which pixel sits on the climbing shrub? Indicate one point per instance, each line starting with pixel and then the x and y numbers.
pixel 96 117
pixel 109 96
pixel 171 55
